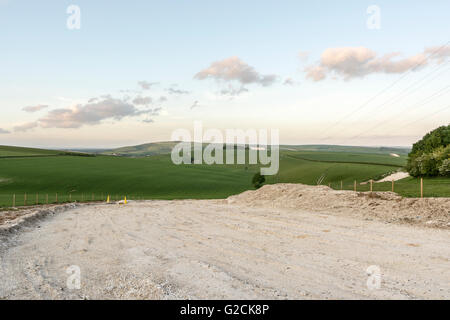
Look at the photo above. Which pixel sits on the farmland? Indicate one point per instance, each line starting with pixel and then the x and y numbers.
pixel 45 173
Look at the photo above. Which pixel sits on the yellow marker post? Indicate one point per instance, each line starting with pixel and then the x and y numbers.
pixel 125 200
pixel 107 199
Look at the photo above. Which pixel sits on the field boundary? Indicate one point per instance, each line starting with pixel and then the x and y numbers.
pixel 350 162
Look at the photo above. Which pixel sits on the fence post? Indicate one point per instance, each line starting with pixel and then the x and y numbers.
pixel 14 200
pixel 371 185
pixel 342 187
pixel 25 199
pixel 421 188
pixel 393 183
pixel 37 199
pixel 354 185
pixel 70 197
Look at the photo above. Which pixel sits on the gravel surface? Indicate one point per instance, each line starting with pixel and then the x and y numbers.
pixel 221 249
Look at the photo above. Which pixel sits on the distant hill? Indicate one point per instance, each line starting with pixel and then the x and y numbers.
pixel 143 150
pixel 356 149
pixel 15 152
pixel 158 148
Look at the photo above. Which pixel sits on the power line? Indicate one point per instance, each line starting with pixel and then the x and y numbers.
pixel 404 93
pixel 399 96
pixel 428 116
pixel 415 106
pixel 380 93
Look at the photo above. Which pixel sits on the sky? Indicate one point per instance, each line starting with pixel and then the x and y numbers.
pixel 101 74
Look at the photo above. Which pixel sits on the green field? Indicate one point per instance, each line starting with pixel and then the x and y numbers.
pixel 7 151
pixel 44 173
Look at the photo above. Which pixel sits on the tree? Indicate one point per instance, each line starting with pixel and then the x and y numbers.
pixel 430 154
pixel 258 180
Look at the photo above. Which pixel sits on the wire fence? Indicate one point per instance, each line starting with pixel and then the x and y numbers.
pixel 417 189
pixel 33 199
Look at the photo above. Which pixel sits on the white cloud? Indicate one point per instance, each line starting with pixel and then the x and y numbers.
pixel 354 62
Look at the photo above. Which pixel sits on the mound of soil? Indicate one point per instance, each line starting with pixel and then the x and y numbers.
pixel 385 206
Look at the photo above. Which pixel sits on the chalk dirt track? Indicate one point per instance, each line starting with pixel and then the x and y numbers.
pixel 226 249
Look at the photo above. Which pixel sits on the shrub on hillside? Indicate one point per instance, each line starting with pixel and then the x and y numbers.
pixel 258 180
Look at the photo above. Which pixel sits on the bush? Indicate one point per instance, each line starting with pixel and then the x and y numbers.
pixel 429 154
pixel 444 169
pixel 258 180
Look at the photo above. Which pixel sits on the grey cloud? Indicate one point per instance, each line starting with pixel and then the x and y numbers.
pixel 145 85
pixel 194 105
pixel 143 101
pixel 231 91
pixel 177 91
pixel 36 108
pixel 354 62
pixel 289 82
pixel 3 131
pixel 234 69
pixel 89 114
pixel 26 126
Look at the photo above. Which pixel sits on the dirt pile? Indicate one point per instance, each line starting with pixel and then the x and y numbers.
pixel 385 206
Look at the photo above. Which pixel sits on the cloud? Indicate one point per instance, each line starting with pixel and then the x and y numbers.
pixel 36 108
pixel 290 82
pixel 194 105
pixel 142 101
pixel 315 73
pixel 303 55
pixel 89 114
pixel 234 69
pixel 145 85
pixel 26 126
pixel 231 91
pixel 358 62
pixel 3 131
pixel 177 91
pixel 438 53
pixel 162 99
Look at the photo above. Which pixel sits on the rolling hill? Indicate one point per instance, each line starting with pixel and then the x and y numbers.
pixel 147 172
